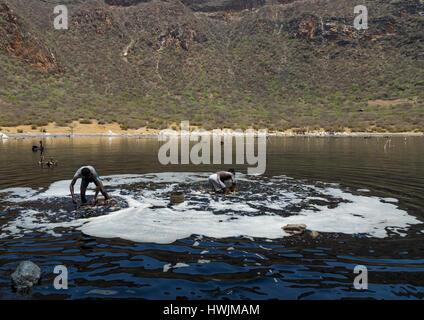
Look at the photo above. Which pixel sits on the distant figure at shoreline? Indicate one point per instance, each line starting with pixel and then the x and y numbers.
pixel 88 174
pixel 38 148
pixel 217 180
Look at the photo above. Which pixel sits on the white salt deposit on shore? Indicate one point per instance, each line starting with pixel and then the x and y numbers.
pixel 148 217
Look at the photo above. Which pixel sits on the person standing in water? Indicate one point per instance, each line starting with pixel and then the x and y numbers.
pixel 40 148
pixel 217 180
pixel 88 174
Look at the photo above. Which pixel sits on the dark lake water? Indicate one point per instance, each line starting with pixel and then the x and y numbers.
pixel 364 197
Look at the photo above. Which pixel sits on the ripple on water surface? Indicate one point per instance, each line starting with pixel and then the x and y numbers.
pixel 209 247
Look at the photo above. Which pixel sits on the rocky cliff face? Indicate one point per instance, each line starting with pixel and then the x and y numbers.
pixel 125 3
pixel 209 5
pixel 203 59
pixel 230 5
pixel 22 44
pixel 171 23
pixel 225 5
pixel 99 20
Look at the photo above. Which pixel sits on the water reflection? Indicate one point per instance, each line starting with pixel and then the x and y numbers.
pixel 237 267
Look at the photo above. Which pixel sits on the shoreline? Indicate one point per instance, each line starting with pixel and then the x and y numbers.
pixel 94 129
pixel 18 136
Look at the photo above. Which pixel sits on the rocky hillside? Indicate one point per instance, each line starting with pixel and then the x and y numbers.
pixel 21 44
pixel 218 63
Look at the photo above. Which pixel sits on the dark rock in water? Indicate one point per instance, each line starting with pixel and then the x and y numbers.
pixel 100 208
pixel 295 228
pixel 300 229
pixel 27 275
pixel 313 234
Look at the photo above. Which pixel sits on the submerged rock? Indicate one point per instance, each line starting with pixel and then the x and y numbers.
pixel 313 234
pixel 300 229
pixel 295 228
pixel 27 275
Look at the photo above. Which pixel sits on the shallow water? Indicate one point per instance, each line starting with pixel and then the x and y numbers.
pixel 364 197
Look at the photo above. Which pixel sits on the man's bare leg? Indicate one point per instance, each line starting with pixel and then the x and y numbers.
pixel 83 189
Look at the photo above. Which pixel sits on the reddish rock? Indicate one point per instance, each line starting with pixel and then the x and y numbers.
pixel 22 44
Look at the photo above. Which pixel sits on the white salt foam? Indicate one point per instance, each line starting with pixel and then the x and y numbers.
pixel 149 219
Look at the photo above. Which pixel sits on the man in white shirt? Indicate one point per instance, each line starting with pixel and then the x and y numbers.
pixel 87 174
pixel 217 180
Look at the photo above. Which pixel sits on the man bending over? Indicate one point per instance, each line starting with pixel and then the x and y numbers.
pixel 88 174
pixel 217 180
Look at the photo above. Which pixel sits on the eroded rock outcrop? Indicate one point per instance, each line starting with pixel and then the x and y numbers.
pixel 99 20
pixel 226 5
pixel 309 27
pixel 229 5
pixel 180 37
pixel 125 3
pixel 22 44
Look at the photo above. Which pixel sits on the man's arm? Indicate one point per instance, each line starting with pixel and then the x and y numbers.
pixel 223 186
pixel 71 187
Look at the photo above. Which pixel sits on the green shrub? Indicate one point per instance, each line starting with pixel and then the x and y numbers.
pixel 124 126
pixel 40 123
